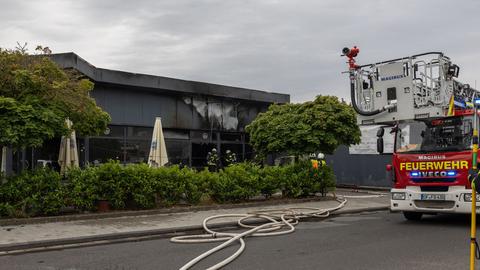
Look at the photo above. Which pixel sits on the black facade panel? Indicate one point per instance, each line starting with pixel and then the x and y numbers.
pixel 133 107
pixel 114 104
pixel 99 95
pixel 184 113
pixel 359 170
pixel 151 109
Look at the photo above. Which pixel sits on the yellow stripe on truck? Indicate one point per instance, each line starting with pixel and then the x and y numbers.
pixel 434 165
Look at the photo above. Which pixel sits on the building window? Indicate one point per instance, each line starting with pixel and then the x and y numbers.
pixel 178 151
pixel 236 137
pixel 136 151
pixel 104 149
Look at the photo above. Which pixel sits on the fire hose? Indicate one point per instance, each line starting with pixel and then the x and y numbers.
pixel 278 222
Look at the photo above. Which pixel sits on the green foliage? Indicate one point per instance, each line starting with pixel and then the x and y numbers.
pixel 27 124
pixel 113 184
pixel 194 185
pixel 315 126
pixel 83 187
pixel 36 98
pixel 139 186
pixel 32 193
pixel 301 180
pixel 168 186
pixel 236 182
pixel 271 180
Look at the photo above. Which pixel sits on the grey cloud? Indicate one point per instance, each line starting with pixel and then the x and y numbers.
pixel 284 46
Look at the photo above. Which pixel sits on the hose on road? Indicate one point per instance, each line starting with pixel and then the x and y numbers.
pixel 277 222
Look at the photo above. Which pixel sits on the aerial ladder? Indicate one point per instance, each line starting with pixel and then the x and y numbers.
pixel 435 121
pixel 413 87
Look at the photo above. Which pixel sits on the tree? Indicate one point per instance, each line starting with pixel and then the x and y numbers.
pixel 314 126
pixel 36 96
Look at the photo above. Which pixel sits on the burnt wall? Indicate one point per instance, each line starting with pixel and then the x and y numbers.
pixel 139 107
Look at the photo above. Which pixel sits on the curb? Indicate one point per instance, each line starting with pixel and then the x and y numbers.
pixel 84 241
pixel 177 209
pixel 366 188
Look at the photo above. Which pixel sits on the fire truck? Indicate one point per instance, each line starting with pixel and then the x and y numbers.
pixel 419 101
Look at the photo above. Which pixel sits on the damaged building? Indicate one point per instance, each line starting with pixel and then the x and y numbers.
pixel 196 117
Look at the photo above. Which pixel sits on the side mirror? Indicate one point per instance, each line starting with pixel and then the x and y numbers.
pixel 380 132
pixel 380 145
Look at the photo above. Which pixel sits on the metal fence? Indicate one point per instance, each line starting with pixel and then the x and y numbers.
pixel 358 169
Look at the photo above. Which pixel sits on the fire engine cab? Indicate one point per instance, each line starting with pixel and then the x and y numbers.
pixel 418 99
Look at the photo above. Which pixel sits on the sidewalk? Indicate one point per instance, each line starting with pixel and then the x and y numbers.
pixel 22 237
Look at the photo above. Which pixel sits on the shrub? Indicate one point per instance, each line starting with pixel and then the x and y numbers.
pixel 32 193
pixel 270 180
pixel 7 210
pixel 83 188
pixel 42 192
pixel 327 180
pixel 208 180
pixel 141 185
pixel 168 185
pixel 236 182
pixel 113 185
pixel 301 180
pixel 194 185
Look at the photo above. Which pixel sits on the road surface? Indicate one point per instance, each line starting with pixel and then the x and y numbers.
pixel 364 241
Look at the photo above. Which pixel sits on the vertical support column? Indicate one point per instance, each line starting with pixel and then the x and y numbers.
pixel 9 161
pixel 473 177
pixel 32 166
pixel 243 147
pixel 124 161
pixel 219 150
pixel 190 152
pixel 22 165
pixel 86 145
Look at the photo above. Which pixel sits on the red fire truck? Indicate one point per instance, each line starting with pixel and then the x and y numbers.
pixel 418 100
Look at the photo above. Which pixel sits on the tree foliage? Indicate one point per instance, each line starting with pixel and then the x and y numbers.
pixel 36 96
pixel 314 126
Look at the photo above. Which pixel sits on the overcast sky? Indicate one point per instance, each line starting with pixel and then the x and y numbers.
pixel 282 46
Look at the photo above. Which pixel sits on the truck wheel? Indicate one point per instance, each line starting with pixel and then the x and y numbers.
pixel 412 215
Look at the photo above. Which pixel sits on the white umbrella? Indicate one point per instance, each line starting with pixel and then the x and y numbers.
pixel 68 155
pixel 158 152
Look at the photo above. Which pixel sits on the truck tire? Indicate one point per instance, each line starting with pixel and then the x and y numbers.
pixel 412 215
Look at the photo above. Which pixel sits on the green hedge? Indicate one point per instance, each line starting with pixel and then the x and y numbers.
pixel 32 193
pixel 45 192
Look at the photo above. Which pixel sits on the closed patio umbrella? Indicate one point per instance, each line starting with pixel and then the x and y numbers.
pixel 158 152
pixel 68 155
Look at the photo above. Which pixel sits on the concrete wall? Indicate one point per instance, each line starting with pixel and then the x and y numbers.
pixel 359 170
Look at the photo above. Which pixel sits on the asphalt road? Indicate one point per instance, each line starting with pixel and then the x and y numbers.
pixel 364 241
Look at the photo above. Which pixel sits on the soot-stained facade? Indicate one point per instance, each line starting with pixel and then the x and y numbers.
pixel 196 116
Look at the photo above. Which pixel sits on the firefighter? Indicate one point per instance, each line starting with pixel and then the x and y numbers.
pixel 314 162
pixel 212 160
pixel 230 157
pixel 317 161
pixel 321 159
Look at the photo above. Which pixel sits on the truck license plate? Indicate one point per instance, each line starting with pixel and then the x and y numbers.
pixel 434 197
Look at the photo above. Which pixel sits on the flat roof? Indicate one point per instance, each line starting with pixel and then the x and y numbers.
pixel 101 75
